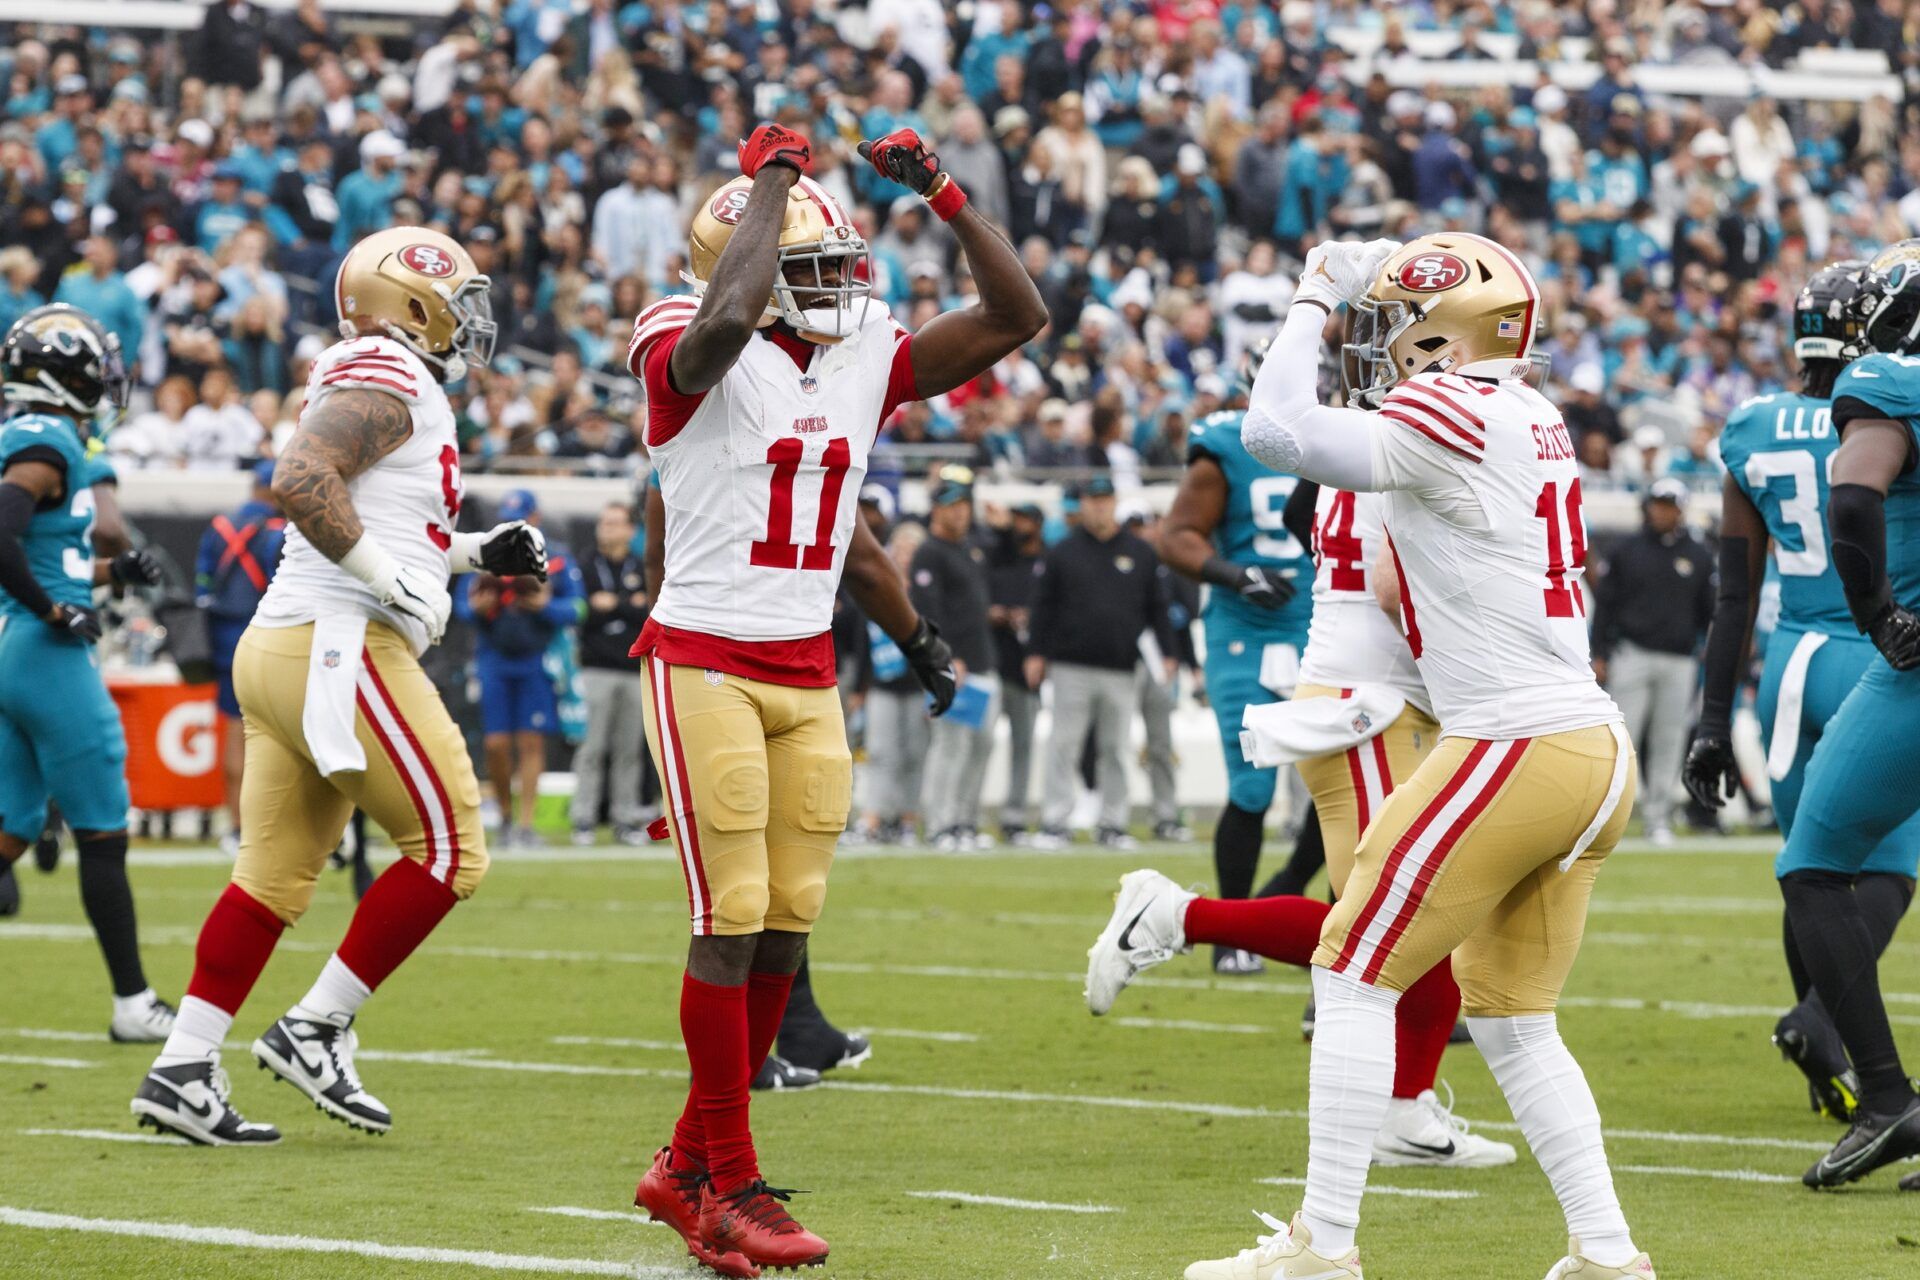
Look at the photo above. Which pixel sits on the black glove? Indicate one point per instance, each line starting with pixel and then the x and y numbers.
pixel 1256 584
pixel 135 568
pixel 515 549
pixel 1711 776
pixel 932 663
pixel 80 621
pixel 1895 631
pixel 904 158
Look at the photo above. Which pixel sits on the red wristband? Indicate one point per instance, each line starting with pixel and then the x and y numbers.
pixel 946 198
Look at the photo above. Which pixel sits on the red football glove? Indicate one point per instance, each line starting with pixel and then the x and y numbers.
pixel 774 144
pixel 903 158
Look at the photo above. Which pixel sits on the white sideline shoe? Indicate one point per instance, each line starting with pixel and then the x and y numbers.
pixel 1147 928
pixel 1287 1254
pixel 1423 1131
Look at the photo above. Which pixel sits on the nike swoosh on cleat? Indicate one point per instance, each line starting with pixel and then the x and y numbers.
pixel 1427 1147
pixel 1126 934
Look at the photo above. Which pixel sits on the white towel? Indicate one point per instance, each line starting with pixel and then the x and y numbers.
pixel 1280 669
pixel 1622 759
pixel 1786 707
pixel 333 673
pixel 1277 733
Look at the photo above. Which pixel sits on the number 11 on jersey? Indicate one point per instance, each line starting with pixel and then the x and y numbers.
pixel 778 550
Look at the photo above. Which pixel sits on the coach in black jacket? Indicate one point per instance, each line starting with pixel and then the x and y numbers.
pixel 616 589
pixel 1099 589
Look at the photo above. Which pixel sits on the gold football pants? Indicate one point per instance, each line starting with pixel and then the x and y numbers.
pixel 418 784
pixel 1350 787
pixel 758 781
pixel 1464 859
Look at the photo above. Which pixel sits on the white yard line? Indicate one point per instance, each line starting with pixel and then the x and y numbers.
pixel 109 1135
pixel 235 1237
pixel 914 1033
pixel 1183 1024
pixel 621 1042
pixel 1719 1175
pixel 25 1060
pixel 633 1216
pixel 1374 1188
pixel 477 1060
pixel 1007 1202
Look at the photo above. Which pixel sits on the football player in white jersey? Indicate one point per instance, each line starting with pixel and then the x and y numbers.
pixel 337 710
pixel 765 390
pixel 1358 721
pixel 1488 851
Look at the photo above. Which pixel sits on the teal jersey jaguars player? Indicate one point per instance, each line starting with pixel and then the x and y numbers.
pixel 1863 783
pixel 60 735
pixel 1778 450
pixel 1225 528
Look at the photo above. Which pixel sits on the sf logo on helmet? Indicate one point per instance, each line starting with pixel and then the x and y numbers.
pixel 428 260
pixel 1432 272
pixel 728 206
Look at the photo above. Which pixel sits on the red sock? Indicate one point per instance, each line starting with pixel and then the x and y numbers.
pixel 1286 929
pixel 1422 1025
pixel 689 1147
pixel 766 1005
pixel 235 944
pixel 404 905
pixel 713 1021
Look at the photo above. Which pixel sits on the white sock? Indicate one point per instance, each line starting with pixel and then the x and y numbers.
pixel 1349 1085
pixel 1550 1098
pixel 133 1003
pixel 198 1031
pixel 336 996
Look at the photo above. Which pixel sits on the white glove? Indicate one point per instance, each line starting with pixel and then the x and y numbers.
pixel 414 592
pixel 1339 271
pixel 506 550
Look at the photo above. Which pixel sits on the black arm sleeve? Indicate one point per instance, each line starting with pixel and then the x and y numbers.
pixel 1298 516
pixel 1857 519
pixel 1726 638
pixel 16 576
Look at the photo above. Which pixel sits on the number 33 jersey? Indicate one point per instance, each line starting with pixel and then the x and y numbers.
pixel 407 501
pixel 1485 532
pixel 761 474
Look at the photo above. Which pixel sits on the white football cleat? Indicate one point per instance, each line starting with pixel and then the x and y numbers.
pixel 1423 1131
pixel 316 1057
pixel 1576 1267
pixel 1287 1254
pixel 1148 927
pixel 141 1019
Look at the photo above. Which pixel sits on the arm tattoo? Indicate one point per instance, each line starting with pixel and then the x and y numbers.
pixel 339 438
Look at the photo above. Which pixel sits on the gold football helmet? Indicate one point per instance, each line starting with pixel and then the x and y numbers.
pixel 1448 302
pixel 815 234
pixel 420 288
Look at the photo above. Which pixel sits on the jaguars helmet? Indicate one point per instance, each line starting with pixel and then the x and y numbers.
pixel 1888 301
pixel 421 289
pixel 60 358
pixel 815 233
pixel 1826 324
pixel 1444 303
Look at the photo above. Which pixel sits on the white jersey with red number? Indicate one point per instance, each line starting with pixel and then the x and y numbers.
pixel 407 501
pixel 1483 512
pixel 1351 641
pixel 761 481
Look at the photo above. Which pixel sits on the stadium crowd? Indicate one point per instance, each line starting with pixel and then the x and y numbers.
pixel 1161 167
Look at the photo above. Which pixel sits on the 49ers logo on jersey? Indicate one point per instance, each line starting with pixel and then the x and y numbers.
pixel 728 206
pixel 427 259
pixel 1432 272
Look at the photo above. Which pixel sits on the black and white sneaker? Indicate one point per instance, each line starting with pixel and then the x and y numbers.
pixel 190 1099
pixel 141 1019
pixel 1232 962
pixel 1872 1141
pixel 317 1059
pixel 826 1051
pixel 777 1073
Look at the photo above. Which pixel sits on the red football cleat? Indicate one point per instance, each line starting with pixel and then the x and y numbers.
pixel 672 1196
pixel 753 1220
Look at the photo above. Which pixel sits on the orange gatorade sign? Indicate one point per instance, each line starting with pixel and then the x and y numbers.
pixel 173 744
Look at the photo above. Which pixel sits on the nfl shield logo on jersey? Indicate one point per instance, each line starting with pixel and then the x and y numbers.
pixel 1362 722
pixel 809 383
pixel 330 659
pixel 714 677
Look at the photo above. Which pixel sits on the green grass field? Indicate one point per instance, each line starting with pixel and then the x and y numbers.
pixel 513 1092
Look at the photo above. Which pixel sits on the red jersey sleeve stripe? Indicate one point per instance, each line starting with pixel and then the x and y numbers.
pixel 1441 400
pixel 399 371
pixel 1445 442
pixel 1439 418
pixel 336 378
